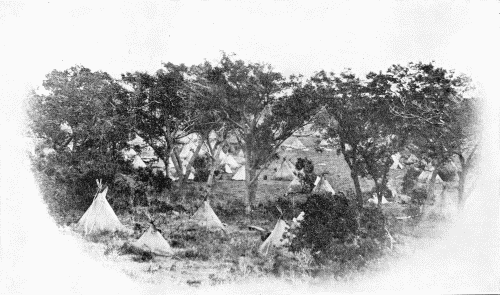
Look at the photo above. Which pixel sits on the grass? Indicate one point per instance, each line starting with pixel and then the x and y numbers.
pixel 204 257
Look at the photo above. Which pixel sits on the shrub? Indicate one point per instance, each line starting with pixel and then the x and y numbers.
pixel 330 232
pixel 202 172
pixel 447 172
pixel 309 176
pixel 410 180
pixel 327 219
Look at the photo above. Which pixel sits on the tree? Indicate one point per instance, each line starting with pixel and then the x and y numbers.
pixel 80 118
pixel 367 137
pixel 162 110
pixel 262 108
pixel 442 121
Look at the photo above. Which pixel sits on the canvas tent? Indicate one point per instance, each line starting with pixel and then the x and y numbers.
pixel 295 185
pixel 152 240
pixel 229 160
pixel 100 216
pixel 322 186
pixel 240 174
pixel 285 171
pixel 426 175
pixel 293 143
pixel 276 238
pixel 374 200
pixel 129 154
pixel 206 217
pixel 397 164
pixel 138 162
pixel 412 159
pixel 324 142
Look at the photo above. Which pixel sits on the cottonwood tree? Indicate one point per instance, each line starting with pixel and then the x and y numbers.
pixel 367 136
pixel 161 109
pixel 441 119
pixel 262 108
pixel 79 116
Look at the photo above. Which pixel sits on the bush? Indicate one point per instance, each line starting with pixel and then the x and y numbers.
pixel 330 232
pixel 309 176
pixel 202 172
pixel 327 219
pixel 447 173
pixel 410 180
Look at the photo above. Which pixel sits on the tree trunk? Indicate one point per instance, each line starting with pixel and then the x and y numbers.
pixel 431 185
pixel 185 177
pixel 215 163
pixel 357 187
pixel 251 185
pixel 251 189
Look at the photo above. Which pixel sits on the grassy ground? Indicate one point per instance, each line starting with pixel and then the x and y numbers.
pixel 205 258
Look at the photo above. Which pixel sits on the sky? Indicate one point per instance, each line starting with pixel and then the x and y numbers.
pixel 294 37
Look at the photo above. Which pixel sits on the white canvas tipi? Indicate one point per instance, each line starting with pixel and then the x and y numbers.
pixel 205 216
pixel 397 164
pixel 293 143
pixel 229 160
pixel 152 240
pixel 275 238
pixel 426 175
pixel 240 174
pixel 322 186
pixel 138 162
pixel 295 185
pixel 284 172
pixel 374 200
pixel 100 216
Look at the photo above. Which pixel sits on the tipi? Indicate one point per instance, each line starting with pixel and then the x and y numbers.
pixel 322 186
pixel 293 143
pixel 412 159
pixel 275 238
pixel 285 171
pixel 229 160
pixel 426 175
pixel 240 174
pixel 205 216
pixel 152 240
pixel 100 216
pixel 295 185
pixel 138 162
pixel 129 154
pixel 227 169
pixel 323 142
pixel 397 164
pixel 374 200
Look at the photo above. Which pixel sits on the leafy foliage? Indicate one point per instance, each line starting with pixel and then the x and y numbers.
pixel 309 177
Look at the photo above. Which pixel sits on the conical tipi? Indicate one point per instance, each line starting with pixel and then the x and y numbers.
pixel 152 240
pixel 284 172
pixel 426 175
pixel 229 160
pixel 294 143
pixel 322 186
pixel 374 200
pixel 240 174
pixel 295 185
pixel 205 216
pixel 100 216
pixel 138 162
pixel 275 238
pixel 397 164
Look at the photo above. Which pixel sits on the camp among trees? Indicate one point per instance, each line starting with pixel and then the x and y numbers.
pixel 232 161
